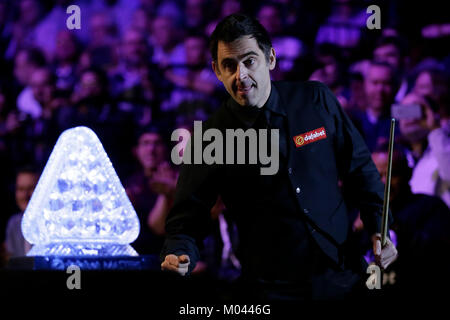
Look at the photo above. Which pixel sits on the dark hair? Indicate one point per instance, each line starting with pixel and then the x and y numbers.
pixel 235 26
pixel 396 41
pixel 28 168
pixel 155 128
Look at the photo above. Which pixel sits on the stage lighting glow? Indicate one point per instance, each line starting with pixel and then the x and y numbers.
pixel 79 206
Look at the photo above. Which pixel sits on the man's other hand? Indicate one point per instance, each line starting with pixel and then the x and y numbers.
pixel 178 264
pixel 386 255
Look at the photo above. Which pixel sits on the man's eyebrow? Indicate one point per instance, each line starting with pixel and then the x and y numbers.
pixel 250 53
pixel 242 56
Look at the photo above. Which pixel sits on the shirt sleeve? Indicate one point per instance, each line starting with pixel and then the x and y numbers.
pixel 189 220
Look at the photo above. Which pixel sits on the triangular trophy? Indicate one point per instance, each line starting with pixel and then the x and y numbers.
pixel 79 207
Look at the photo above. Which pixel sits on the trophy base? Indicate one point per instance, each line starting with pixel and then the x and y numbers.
pixel 82 249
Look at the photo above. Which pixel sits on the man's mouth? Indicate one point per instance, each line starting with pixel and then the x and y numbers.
pixel 244 90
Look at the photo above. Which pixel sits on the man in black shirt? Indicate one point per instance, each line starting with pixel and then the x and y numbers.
pixel 293 224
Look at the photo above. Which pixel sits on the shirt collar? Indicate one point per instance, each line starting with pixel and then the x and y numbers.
pixel 248 115
pixel 273 103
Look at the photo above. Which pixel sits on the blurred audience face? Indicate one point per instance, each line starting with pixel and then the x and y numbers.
pixel 379 88
pixel 163 32
pixel 244 71
pixel 150 150
pixel 42 86
pixel 90 85
pixel 194 12
pixel 381 160
pixel 424 84
pixel 23 67
pixel 230 7
pixel 25 184
pixel 388 53
pixel 195 50
pixel 269 17
pixel 135 48
pixel 141 20
pixel 66 48
pixel 101 29
pixel 29 12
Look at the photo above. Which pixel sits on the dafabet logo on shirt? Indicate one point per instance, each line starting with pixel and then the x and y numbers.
pixel 310 136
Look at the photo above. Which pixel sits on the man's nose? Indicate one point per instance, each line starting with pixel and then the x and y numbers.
pixel 241 72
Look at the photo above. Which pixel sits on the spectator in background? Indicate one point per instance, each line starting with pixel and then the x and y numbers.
pixel 390 50
pixel 227 7
pixel 343 26
pixel 439 142
pixel 151 189
pixel 287 48
pixel 15 243
pixel 30 12
pixel 331 71
pixel 65 60
pixel 167 50
pixel 194 14
pixel 25 63
pixel 101 42
pixel 103 30
pixel 92 106
pixel 421 223
pixel 51 25
pixel 431 81
pixel 43 130
pixel 194 81
pixel 427 143
pixel 380 86
pixel 132 80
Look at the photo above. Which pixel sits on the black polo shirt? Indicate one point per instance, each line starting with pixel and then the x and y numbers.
pixel 264 253
pixel 270 211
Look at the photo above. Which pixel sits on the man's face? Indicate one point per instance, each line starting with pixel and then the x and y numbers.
pixel 195 50
pixel 22 68
pixel 379 87
pixel 244 71
pixel 163 31
pixel 90 85
pixel 424 84
pixel 150 150
pixel 41 85
pixel 25 183
pixel 388 53
pixel 135 49
pixel 381 159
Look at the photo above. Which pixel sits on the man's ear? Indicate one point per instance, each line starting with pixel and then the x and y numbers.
pixel 215 68
pixel 272 59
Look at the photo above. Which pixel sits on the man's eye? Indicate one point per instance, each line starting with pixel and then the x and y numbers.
pixel 250 62
pixel 228 65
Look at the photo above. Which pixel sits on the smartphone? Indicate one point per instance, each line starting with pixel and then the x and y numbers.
pixel 406 111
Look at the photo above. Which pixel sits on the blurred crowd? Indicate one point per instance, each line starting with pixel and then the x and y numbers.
pixel 138 69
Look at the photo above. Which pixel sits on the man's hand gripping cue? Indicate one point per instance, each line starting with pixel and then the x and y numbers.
pixel 178 264
pixel 386 255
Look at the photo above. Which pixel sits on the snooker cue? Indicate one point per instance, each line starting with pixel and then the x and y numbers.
pixel 387 187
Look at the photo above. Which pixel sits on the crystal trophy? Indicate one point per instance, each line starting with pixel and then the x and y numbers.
pixel 79 207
